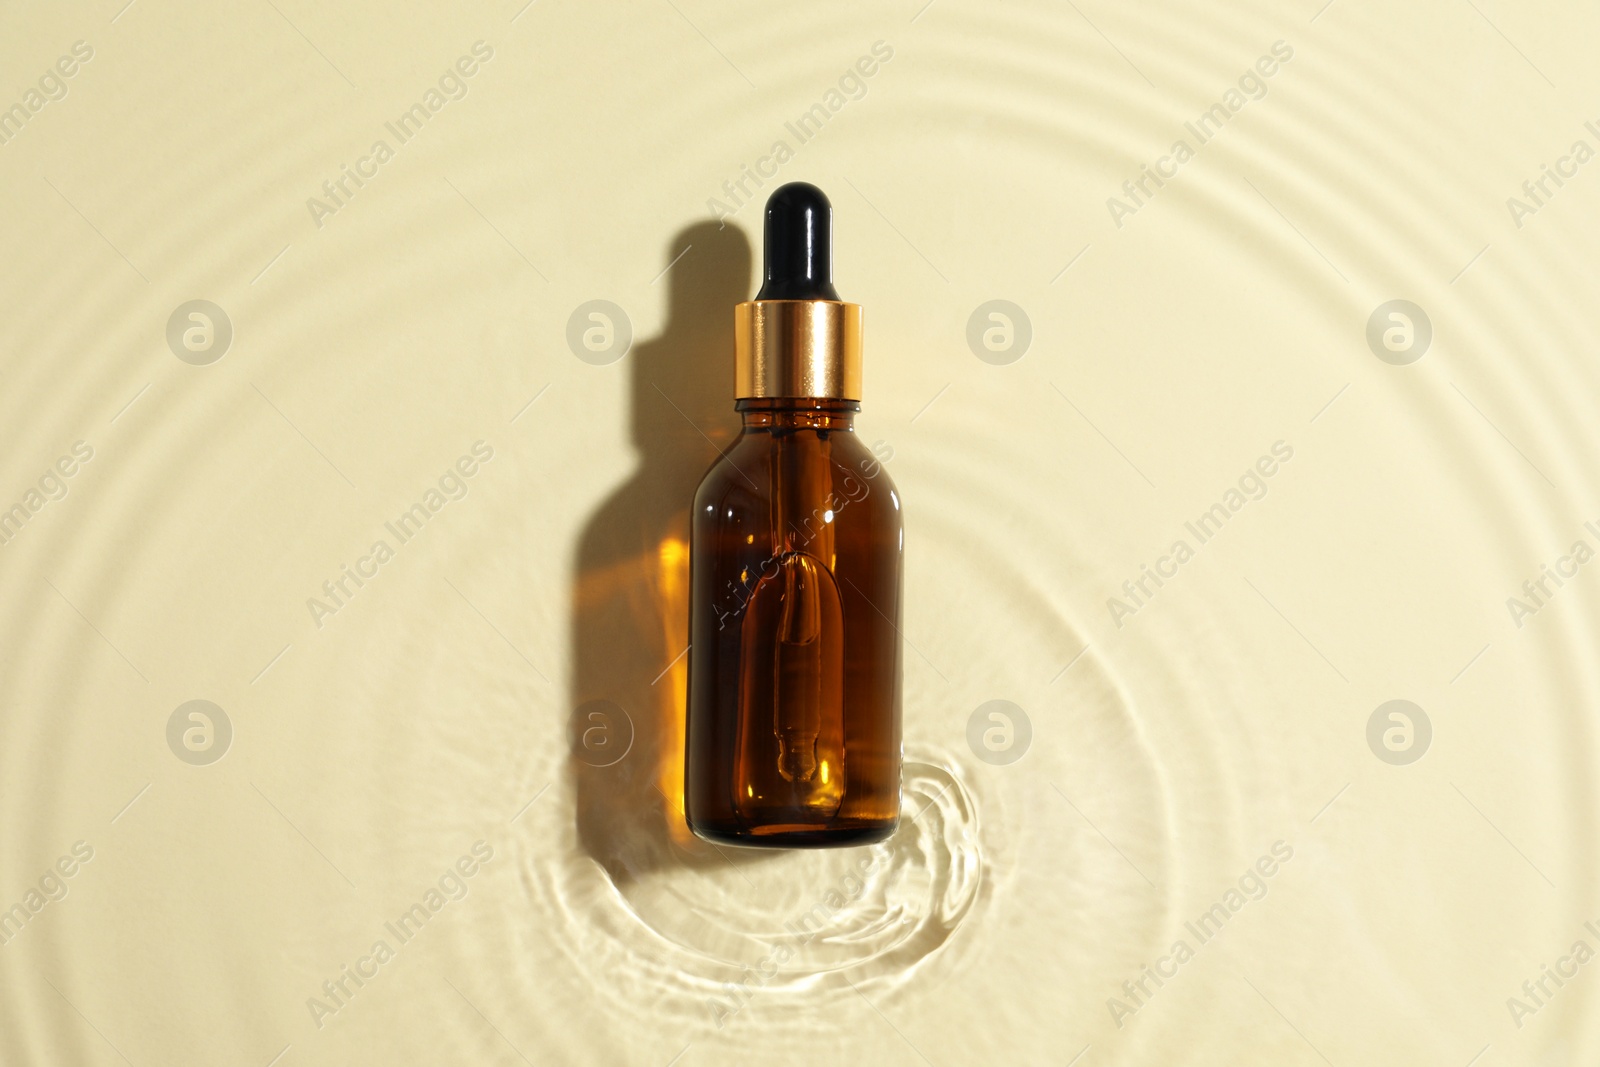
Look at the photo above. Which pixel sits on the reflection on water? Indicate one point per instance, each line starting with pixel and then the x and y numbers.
pixel 796 928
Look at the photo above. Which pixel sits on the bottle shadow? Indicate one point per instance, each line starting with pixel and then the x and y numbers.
pixel 630 606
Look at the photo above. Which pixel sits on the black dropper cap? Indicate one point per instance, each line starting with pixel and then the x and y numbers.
pixel 798 253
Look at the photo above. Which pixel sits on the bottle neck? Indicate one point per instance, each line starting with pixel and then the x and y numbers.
pixel 798 413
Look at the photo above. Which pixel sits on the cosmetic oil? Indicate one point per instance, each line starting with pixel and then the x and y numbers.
pixel 793 724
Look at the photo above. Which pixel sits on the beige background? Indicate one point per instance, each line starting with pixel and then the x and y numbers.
pixel 434 709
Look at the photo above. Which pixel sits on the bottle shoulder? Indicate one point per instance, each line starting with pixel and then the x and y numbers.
pixel 738 470
pixel 745 466
pixel 754 477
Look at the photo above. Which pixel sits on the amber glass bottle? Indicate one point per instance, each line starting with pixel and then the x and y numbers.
pixel 793 727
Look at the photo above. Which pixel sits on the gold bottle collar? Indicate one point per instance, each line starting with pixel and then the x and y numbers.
pixel 797 348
